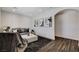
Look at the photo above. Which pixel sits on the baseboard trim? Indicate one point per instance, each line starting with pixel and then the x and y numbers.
pixel 66 38
pixel 45 37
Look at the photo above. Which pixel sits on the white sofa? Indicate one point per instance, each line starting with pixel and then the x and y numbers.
pixel 30 38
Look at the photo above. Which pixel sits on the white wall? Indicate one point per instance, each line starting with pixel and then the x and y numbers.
pixel 13 20
pixel 47 32
pixel 50 32
pixel 67 25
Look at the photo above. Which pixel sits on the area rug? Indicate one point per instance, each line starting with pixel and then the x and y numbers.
pixel 35 46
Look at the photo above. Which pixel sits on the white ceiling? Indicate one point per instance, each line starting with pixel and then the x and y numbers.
pixel 27 11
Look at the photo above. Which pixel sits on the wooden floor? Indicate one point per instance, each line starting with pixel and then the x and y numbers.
pixel 61 45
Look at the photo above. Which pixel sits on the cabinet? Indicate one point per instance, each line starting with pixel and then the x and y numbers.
pixel 7 42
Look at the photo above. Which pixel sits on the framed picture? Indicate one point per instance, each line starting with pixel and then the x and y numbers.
pixel 43 22
pixel 48 22
pixel 36 23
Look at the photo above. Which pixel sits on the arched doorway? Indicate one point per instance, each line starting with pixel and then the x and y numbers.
pixel 66 24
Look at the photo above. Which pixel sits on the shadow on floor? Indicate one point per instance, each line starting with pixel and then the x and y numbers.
pixel 35 46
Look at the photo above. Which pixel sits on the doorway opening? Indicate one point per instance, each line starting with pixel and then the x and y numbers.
pixel 66 24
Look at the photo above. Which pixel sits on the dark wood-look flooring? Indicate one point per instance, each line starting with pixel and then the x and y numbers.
pixel 61 45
